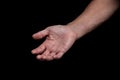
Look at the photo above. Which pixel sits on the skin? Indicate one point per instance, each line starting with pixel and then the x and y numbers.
pixel 59 38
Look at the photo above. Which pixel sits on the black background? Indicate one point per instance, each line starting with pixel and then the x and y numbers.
pixel 96 50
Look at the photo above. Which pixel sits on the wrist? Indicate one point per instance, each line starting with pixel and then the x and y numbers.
pixel 78 29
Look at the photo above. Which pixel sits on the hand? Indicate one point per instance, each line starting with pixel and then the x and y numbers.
pixel 58 40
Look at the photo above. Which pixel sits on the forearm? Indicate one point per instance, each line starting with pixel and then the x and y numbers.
pixel 97 12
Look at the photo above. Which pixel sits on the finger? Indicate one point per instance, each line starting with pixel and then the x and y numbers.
pixel 53 51
pixel 43 56
pixel 52 54
pixel 40 34
pixel 39 49
pixel 58 55
pixel 47 56
pixel 40 57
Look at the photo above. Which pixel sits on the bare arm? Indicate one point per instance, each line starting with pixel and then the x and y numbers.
pixel 61 37
pixel 97 12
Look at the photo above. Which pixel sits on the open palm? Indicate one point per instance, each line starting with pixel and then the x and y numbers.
pixel 58 40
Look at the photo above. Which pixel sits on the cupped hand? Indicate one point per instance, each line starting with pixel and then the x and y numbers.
pixel 59 39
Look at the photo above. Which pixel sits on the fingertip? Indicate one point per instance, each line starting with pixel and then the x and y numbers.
pixel 34 36
pixel 38 57
pixel 33 51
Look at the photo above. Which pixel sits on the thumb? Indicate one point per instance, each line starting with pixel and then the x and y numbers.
pixel 40 34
